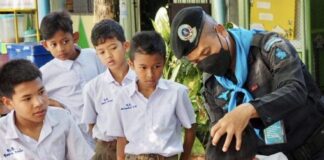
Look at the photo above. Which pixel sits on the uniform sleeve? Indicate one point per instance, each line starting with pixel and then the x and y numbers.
pixel 114 127
pixel 288 84
pixel 77 146
pixel 89 113
pixel 184 109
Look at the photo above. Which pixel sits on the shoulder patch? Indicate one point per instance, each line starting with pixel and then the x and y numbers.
pixel 280 54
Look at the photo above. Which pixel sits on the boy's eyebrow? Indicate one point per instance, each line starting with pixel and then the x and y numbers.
pixel 28 95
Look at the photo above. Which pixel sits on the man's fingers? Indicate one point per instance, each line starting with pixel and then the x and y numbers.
pixel 228 141
pixel 217 136
pixel 238 137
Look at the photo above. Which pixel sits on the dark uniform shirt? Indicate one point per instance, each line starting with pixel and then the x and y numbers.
pixel 282 89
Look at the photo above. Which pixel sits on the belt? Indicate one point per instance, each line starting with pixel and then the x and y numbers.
pixel 149 157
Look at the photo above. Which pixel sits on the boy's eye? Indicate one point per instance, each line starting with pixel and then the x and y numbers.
pixel 41 92
pixel 142 67
pixel 27 99
pixel 65 41
pixel 157 66
pixel 53 45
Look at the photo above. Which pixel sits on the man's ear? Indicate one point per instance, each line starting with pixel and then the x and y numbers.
pixel 7 102
pixel 76 37
pixel 221 30
pixel 131 64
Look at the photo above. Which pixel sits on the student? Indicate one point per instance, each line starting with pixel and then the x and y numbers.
pixel 253 79
pixel 65 76
pixel 149 113
pixel 109 41
pixel 32 130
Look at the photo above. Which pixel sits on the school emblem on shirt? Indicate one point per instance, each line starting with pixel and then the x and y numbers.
pixel 128 106
pixel 11 151
pixel 106 100
pixel 187 33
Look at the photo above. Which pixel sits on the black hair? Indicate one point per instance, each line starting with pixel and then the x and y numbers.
pixel 147 42
pixel 54 22
pixel 14 73
pixel 106 29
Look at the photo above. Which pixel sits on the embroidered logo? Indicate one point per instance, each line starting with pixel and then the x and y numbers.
pixel 280 54
pixel 128 106
pixel 11 151
pixel 187 33
pixel 106 100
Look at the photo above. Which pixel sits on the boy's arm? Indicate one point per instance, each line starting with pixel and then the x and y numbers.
pixel 55 103
pixel 189 138
pixel 91 128
pixel 121 143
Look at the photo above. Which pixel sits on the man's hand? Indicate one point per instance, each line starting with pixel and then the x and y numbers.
pixel 233 124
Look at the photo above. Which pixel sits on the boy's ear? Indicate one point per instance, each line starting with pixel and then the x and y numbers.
pixel 126 45
pixel 131 64
pixel 76 37
pixel 44 44
pixel 7 102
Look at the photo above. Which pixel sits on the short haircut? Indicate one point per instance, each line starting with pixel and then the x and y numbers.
pixel 147 42
pixel 54 22
pixel 14 73
pixel 106 29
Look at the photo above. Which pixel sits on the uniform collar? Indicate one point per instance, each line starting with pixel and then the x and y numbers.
pixel 67 64
pixel 129 76
pixel 133 88
pixel 12 130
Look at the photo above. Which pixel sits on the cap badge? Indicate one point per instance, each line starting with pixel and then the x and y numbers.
pixel 187 33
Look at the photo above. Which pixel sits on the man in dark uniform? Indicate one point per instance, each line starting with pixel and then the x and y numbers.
pixel 259 95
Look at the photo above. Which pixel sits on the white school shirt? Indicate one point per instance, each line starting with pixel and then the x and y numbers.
pixel 64 80
pixel 98 95
pixel 60 139
pixel 152 125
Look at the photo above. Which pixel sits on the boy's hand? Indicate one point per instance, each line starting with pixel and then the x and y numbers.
pixel 189 139
pixel 121 143
pixel 55 103
pixel 233 124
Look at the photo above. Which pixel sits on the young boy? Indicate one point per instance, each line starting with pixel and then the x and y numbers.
pixel 65 76
pixel 109 41
pixel 149 112
pixel 32 130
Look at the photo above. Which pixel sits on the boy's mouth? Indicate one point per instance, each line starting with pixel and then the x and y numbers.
pixel 40 113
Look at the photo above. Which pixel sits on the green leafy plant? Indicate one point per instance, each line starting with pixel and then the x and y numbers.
pixel 185 73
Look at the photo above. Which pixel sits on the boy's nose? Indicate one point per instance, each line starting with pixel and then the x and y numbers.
pixel 149 73
pixel 39 101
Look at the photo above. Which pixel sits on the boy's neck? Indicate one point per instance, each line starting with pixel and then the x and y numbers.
pixel 120 73
pixel 29 128
pixel 147 92
pixel 77 52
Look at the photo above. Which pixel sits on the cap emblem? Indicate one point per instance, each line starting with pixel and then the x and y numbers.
pixel 187 33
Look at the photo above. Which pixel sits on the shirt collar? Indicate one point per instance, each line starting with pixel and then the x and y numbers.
pixel 12 130
pixel 67 64
pixel 131 76
pixel 133 88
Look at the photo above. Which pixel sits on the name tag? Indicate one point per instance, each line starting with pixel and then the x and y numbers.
pixel 275 134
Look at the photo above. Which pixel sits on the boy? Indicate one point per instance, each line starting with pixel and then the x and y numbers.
pixel 32 130
pixel 149 112
pixel 109 41
pixel 65 76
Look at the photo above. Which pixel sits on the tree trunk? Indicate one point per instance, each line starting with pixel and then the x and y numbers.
pixel 106 9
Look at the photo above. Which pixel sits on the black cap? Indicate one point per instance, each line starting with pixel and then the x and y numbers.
pixel 186 28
